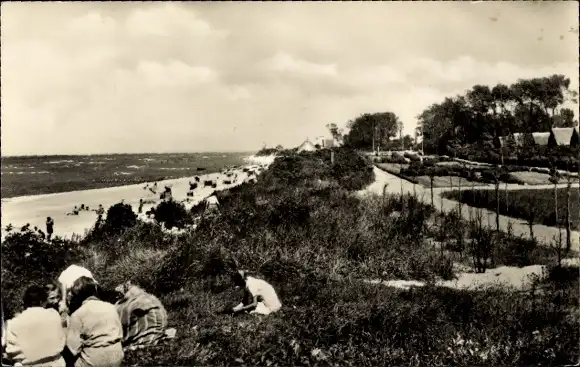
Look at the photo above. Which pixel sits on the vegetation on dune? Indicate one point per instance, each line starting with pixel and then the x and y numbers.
pixel 302 228
pixel 524 204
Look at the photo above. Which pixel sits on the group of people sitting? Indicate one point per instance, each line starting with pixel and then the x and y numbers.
pixel 75 322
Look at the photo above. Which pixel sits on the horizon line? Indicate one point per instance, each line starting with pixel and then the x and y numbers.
pixel 119 153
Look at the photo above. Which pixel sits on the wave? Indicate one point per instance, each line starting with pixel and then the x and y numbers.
pixel 61 161
pixel 26 173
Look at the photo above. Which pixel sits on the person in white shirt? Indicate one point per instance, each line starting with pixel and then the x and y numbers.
pixel 67 279
pixel 35 337
pixel 259 296
pixel 212 203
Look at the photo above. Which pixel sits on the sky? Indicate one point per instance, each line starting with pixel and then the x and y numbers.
pixel 116 77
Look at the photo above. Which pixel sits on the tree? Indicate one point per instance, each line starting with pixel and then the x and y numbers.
pixel 335 132
pixel 568 229
pixel 555 179
pixel 565 118
pixel 120 217
pixel 485 113
pixel 431 173
pixel 407 141
pixel 370 130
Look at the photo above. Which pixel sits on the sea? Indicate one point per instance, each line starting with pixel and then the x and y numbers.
pixel 36 175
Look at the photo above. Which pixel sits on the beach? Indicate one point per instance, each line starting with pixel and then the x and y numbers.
pixel 34 209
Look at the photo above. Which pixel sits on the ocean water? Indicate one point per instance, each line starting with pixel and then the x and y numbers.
pixel 36 175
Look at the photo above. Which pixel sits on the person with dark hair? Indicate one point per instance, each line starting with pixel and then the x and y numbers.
pixel 94 332
pixel 54 300
pixel 259 296
pixel 49 227
pixel 68 277
pixel 36 336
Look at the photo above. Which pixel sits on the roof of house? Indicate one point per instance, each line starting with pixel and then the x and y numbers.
pixel 542 138
pixel 306 146
pixel 563 135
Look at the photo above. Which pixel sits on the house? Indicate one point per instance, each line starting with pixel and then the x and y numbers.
pixel 330 143
pixel 541 139
pixel 564 136
pixel 307 146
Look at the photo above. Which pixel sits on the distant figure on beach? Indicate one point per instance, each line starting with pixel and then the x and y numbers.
pixel 82 206
pixel 212 203
pixel 166 195
pixel 49 228
pixel 100 212
pixel 259 296
pixel 140 206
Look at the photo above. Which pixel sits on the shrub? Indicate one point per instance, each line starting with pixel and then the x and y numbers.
pixel 172 214
pixel 29 259
pixel 119 217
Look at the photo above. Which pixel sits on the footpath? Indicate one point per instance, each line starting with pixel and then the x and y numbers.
pixel 396 185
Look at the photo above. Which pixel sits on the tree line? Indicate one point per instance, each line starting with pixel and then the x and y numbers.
pixel 483 113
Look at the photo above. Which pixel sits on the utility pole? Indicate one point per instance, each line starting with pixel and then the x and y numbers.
pixel 422 139
pixel 374 134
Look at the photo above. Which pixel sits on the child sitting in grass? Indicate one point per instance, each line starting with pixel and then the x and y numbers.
pixel 259 296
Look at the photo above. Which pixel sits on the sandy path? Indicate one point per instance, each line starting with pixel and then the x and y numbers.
pixel 34 209
pixel 541 232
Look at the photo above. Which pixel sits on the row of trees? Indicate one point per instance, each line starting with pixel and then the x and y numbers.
pixel 484 113
pixel 373 131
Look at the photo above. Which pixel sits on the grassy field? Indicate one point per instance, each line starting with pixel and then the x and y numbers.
pixel 438 181
pixel 301 227
pixel 524 204
pixel 50 174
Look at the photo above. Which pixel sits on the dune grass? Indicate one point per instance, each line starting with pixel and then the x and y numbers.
pixel 301 228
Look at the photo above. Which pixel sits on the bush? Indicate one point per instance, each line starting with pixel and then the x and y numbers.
pixel 28 259
pixel 172 214
pixel 119 217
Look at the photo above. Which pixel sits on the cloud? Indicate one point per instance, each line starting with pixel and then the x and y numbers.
pixel 283 62
pixel 170 20
pixel 112 77
pixel 174 74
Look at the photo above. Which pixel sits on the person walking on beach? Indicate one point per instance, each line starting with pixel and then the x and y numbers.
pixel 140 206
pixel 100 211
pixel 49 227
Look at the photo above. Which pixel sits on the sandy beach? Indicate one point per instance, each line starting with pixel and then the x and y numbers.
pixel 34 210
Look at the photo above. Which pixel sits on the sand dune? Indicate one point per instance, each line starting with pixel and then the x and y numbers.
pixel 19 211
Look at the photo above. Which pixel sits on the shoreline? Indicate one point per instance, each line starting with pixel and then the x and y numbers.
pixel 22 198
pixel 34 209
